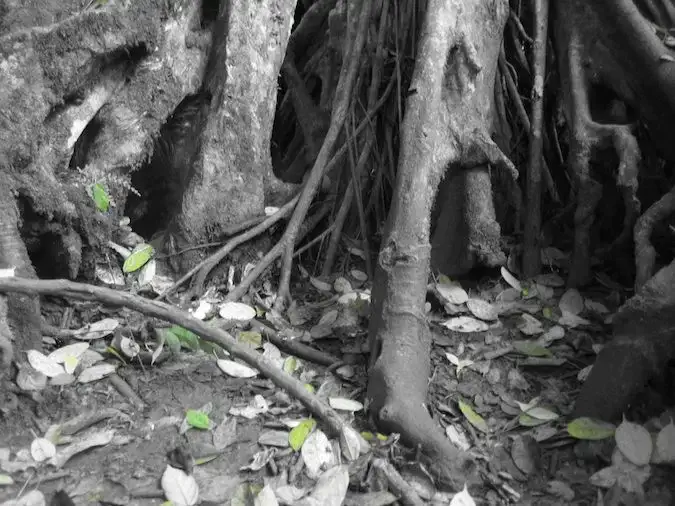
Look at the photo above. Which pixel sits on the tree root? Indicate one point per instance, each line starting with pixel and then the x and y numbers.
pixel 645 254
pixel 343 97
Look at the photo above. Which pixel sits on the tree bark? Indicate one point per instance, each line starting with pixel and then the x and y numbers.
pixel 445 125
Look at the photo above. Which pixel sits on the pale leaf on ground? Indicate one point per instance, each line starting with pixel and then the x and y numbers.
pixel 260 460
pixel 96 372
pixel 317 453
pixel 457 438
pixel 664 447
pixel 553 334
pixel 278 438
pixel 266 497
pixel 572 302
pixel 236 311
pixel 331 487
pixel 583 374
pixel 571 320
pixel 235 369
pixel 342 285
pixel 452 292
pixel 529 325
pixel 359 275
pixel 482 309
pixel 179 487
pixel 202 310
pixel 90 440
pixel 463 498
pixel 71 350
pixel 31 498
pixel 634 442
pixel 42 449
pixel 511 279
pixel 320 285
pixel 343 404
pixel 98 330
pixel 596 307
pixel 44 364
pixel 465 324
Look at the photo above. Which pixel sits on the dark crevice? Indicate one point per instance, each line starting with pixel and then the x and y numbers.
pixel 162 181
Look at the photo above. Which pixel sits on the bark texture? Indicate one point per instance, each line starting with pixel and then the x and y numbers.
pixel 446 125
pixel 610 45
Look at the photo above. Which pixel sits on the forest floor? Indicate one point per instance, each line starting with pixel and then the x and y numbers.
pixel 507 362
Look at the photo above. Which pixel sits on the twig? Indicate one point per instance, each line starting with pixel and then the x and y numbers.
pixel 206 332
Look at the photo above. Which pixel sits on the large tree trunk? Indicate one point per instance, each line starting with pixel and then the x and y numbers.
pixel 446 126
pixel 160 95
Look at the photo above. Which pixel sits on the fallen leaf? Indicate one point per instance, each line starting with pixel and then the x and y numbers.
pixel 179 487
pixel 590 429
pixel 472 417
pixel 634 442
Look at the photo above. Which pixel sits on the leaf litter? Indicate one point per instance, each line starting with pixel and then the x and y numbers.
pixel 237 425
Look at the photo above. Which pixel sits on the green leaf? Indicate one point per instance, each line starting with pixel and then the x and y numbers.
pixel 444 280
pixel 309 388
pixel 299 433
pixel 172 341
pixel 381 437
pixel 5 479
pixel 250 338
pixel 140 256
pixel 547 312
pixel 531 349
pixel 197 419
pixel 527 420
pixel 206 459
pixel 291 365
pixel 473 418
pixel 591 429
pixel 368 436
pixel 185 337
pixel 100 197
pixel 113 351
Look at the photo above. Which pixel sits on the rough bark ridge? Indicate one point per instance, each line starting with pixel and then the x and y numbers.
pixel 241 76
pixel 445 125
pixel 609 44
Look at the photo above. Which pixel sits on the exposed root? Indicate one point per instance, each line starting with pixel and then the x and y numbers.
pixel 343 97
pixel 645 254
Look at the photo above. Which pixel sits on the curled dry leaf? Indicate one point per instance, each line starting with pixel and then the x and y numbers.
pixel 511 280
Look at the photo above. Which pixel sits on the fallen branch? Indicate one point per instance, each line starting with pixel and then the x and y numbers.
pixel 81 291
